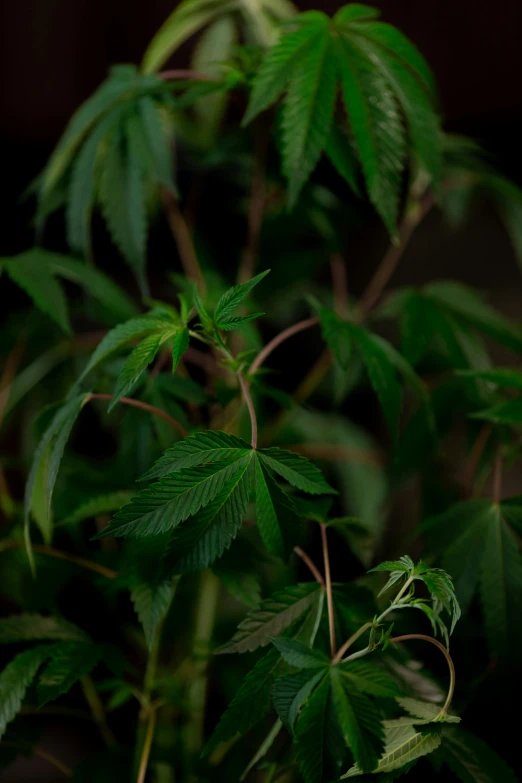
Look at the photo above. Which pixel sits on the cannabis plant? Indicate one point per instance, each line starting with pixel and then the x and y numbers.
pixel 121 598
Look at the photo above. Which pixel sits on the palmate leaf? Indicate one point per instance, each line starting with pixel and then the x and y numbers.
pixel 232 298
pixel 403 745
pixel 202 540
pixel 68 663
pixel 173 499
pixel 16 678
pixel 136 364
pixel 198 449
pixel 250 704
pixel 504 377
pixel 46 463
pixel 274 616
pixel 31 627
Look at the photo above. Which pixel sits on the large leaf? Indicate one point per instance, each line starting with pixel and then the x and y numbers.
pixel 46 463
pixel 68 663
pixel 196 450
pixel 277 519
pixel 31 627
pixel 173 499
pixel 250 704
pixel 16 678
pixel 273 618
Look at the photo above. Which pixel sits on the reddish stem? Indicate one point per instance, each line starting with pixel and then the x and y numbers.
pixel 311 565
pixel 182 74
pixel 245 388
pixel 329 595
pixel 280 338
pixel 145 407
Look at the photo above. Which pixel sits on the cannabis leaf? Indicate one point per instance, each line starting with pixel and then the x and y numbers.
pixel 44 469
pixel 231 300
pixel 475 542
pixel 151 600
pixel 68 663
pixel 403 745
pixel 31 627
pixel 198 449
pixel 290 692
pixel 383 80
pixel 16 678
pixel 300 655
pixel 277 519
pixel 273 617
pixel 297 470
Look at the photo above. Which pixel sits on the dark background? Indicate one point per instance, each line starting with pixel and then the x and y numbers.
pixel 54 53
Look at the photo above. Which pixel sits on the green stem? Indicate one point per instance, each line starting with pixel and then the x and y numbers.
pixel 446 654
pixel 97 711
pixel 348 643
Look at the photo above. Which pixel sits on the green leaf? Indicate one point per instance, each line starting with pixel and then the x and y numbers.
pixel 377 129
pixel 277 520
pixel 281 63
pixel 100 504
pixel 68 663
pixel 250 704
pixel 203 447
pixel 199 542
pixel 300 655
pixel 173 499
pixel 424 710
pixel 472 760
pixel 150 142
pixel 16 678
pixel 297 470
pixel 273 618
pixel 236 321
pixel 151 601
pixel 403 745
pixel 134 329
pixel 342 155
pixel 122 194
pixel 314 733
pixel 338 335
pixel 308 112
pixel 32 274
pixel 382 377
pixel 179 346
pixel 368 678
pixel 355 12
pixel 505 377
pixel 359 720
pixel 232 298
pixel 31 627
pixel 136 364
pixel 289 694
pixel 46 463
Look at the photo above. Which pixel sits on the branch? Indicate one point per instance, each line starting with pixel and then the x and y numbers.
pixel 280 338
pixel 176 425
pixel 147 745
pixel 245 388
pixel 329 596
pixel 311 565
pixel 52 552
pixel 446 654
pixel 181 233
pixel 181 74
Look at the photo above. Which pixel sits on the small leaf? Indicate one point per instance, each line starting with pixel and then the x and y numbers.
pixel 16 678
pixel 297 470
pixel 35 277
pixel 100 504
pixel 180 344
pixel 135 366
pixel 151 601
pixel 232 298
pixel 31 627
pixel 382 378
pixel 68 663
pixel 232 322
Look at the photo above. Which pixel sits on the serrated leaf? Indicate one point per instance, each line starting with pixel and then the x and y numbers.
pixel 425 710
pixel 377 129
pixel 134 329
pixel 316 733
pixel 279 66
pixel 198 543
pixel 236 321
pixel 359 720
pixel 250 704
pixel 338 336
pixel 149 140
pixel 232 298
pixel 31 627
pixel 472 760
pixel 136 364
pixel 289 693
pixel 68 663
pixel 300 655
pixel 307 114
pixel 382 377
pixel 297 470
pixel 46 463
pixel 277 520
pixel 273 618
pixel 151 601
pixel 16 678
pixel 180 344
pixel 368 678
pixel 403 745
pixel 173 499
pixel 203 447
pixel 122 194
pixel 31 272
pixel 341 153
pixel 100 504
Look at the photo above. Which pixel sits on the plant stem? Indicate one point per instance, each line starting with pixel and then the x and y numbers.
pixel 97 711
pixel 256 207
pixel 52 552
pixel 353 638
pixel 204 626
pixel 147 745
pixel 145 407
pixel 182 74
pixel 389 263
pixel 245 388
pixel 446 654
pixel 311 565
pixel 329 596
pixel 181 233
pixel 280 338
pixel 497 478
